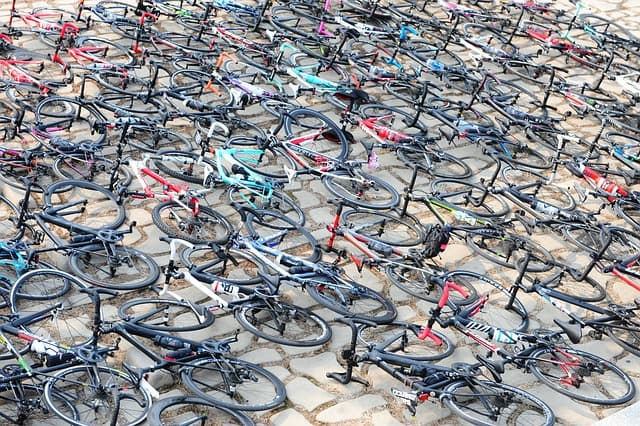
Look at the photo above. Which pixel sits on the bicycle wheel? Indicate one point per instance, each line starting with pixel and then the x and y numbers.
pixel 284 234
pixel 316 132
pixel 154 139
pixel 115 267
pixel 509 250
pixel 434 162
pixel 234 383
pixel 395 118
pixel 629 211
pixel 71 119
pixel 179 222
pixel 283 323
pixel 417 279
pixel 166 315
pixel 102 395
pixel 85 204
pixel 582 376
pixel 469 197
pixel 388 228
pixel 361 189
pixel 45 289
pixel 278 203
pixel 587 290
pixel 189 410
pixel 534 184
pixel 98 170
pixel 514 102
pixel 235 266
pixel 349 298
pixel 624 242
pixel 186 166
pixel 496 312
pixel 482 402
pixel 403 341
pixel 271 162
pixel 8 214
pixel 100 51
pixel 625 333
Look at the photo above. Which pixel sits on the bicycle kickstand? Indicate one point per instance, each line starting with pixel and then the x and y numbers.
pixel 347 376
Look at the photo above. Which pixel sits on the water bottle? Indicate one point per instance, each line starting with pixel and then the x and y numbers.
pixel 45 348
pixel 545 208
pixel 434 65
pixel 504 336
pixel 224 287
pixel 465 217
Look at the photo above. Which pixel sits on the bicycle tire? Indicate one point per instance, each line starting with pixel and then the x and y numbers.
pixel 89 205
pixel 587 290
pixel 271 162
pixel 42 289
pixel 236 267
pixel 71 119
pixel 284 234
pixel 328 138
pixel 513 152
pixel 201 86
pixel 187 410
pixel 625 334
pixel 184 165
pixel 435 162
pixel 388 228
pixel 463 195
pixel 278 202
pixel 98 170
pixel 419 283
pixel 407 343
pixel 8 215
pixel 349 298
pixel 361 189
pixel 114 54
pixel 283 323
pixel 155 138
pixel 395 118
pixel 503 95
pixel 624 242
pixel 85 384
pixel 131 270
pixel 629 211
pixel 14 397
pixel 254 387
pixel 509 250
pixel 166 315
pixel 287 20
pixel 178 222
pixel 469 400
pixel 597 381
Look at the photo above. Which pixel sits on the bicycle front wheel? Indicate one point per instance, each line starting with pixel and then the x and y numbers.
pixel 350 298
pixel 509 250
pixel 283 323
pixel 234 383
pixel 102 395
pixel 482 402
pixel 115 267
pixel 361 189
pixel 582 376
pixel 190 410
pixel 166 315
pixel 202 228
pixel 404 231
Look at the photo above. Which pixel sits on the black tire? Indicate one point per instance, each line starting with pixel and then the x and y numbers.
pixel 283 323
pixel 470 400
pixel 187 166
pixel 154 139
pixel 395 118
pixel 589 378
pixel 514 102
pixel 42 289
pixel 625 333
pixel 629 211
pixel 97 170
pixel 403 341
pixel 624 242
pixel 287 20
pixel 271 162
pixel 417 279
pixel 535 184
pixel 124 269
pixel 514 152
pixel 236 267
pixel 102 395
pixel 187 410
pixel 407 91
pixel 587 290
pixel 278 203
pixel 103 50
pixel 463 196
pixel 361 189
pixel 178 222
pixel 284 234
pixel 509 250
pixel 253 388
pixel 388 228
pixel 84 203
pixel 435 162
pixel 64 114
pixel 14 397
pixel 350 298
pixel 166 315
pixel 329 139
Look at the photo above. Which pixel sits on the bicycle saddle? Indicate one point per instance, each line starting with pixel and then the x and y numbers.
pixel 573 331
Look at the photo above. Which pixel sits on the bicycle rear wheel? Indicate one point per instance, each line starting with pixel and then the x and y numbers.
pixel 102 395
pixel 166 315
pixel 316 132
pixel 582 376
pixel 625 333
pixel 349 298
pixel 387 228
pixel 361 189
pixel 624 243
pixel 278 203
pixel 234 383
pixel 204 227
pixel 482 402
pixel 283 323
pixel 235 266
pixel 509 250
pixel 190 410
pixel 469 197
pixel 184 165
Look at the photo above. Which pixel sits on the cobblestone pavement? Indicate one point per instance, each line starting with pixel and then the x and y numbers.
pixel 315 399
